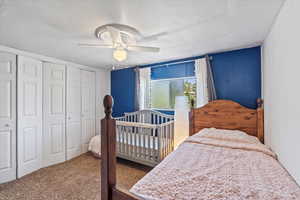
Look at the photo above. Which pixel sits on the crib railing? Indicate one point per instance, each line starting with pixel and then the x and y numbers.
pixel 166 139
pixel 144 142
pixel 146 116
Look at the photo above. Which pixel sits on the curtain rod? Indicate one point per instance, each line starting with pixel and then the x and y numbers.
pixel 174 63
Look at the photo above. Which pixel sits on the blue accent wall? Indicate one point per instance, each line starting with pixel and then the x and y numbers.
pixel 123 91
pixel 237 77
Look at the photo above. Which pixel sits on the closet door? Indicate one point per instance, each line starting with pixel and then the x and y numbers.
pixel 30 115
pixel 88 113
pixel 7 117
pixel 73 128
pixel 54 114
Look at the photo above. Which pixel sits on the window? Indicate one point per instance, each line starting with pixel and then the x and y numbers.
pixel 163 92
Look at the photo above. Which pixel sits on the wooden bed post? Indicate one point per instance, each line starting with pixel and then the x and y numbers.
pixel 260 120
pixel 191 122
pixel 109 190
pixel 108 150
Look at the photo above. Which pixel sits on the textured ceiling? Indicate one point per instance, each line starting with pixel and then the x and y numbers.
pixel 189 27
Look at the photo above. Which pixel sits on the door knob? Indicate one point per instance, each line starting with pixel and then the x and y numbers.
pixel 6 125
pixel 69 118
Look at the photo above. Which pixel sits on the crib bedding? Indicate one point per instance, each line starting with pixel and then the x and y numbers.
pixel 95 146
pixel 217 165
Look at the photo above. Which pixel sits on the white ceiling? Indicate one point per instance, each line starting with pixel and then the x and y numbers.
pixel 192 27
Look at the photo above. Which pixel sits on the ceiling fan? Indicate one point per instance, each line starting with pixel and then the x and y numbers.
pixel 121 38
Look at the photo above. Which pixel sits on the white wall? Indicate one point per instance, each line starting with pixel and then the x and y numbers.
pixel 281 71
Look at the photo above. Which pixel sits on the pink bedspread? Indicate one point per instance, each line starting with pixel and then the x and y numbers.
pixel 214 165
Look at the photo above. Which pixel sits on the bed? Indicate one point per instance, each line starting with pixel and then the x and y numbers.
pixel 224 158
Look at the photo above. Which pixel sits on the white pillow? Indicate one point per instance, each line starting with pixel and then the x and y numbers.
pixel 228 135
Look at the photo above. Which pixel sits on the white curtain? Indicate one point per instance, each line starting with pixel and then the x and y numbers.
pixel 201 76
pixel 144 94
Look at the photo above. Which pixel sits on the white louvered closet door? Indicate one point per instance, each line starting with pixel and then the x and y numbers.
pixel 54 148
pixel 88 108
pixel 73 128
pixel 30 115
pixel 7 117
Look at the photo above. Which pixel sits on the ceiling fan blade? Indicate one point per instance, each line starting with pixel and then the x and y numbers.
pixel 142 48
pixel 152 37
pixel 95 45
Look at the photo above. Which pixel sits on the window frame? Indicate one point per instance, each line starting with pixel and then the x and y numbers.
pixel 167 79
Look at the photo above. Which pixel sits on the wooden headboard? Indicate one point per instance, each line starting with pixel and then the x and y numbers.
pixel 225 114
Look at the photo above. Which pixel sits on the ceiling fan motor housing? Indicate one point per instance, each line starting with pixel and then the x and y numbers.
pixel 128 34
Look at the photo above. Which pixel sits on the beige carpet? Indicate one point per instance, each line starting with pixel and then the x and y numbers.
pixel 75 179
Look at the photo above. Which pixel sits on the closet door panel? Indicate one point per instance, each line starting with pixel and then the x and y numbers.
pixel 54 114
pixel 56 138
pixel 88 113
pixel 73 112
pixel 30 115
pixel 6 100
pixel 7 117
pixel 5 146
pixel 30 145
pixel 73 139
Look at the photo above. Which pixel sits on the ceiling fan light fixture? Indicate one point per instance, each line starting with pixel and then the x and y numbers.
pixel 120 55
pixel 121 38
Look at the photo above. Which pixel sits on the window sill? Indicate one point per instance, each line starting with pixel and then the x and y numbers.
pixel 162 109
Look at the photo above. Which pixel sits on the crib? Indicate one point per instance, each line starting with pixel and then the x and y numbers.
pixel 145 136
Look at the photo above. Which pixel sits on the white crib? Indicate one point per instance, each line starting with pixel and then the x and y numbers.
pixel 145 136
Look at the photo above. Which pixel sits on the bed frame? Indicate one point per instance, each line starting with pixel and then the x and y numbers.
pixel 221 114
